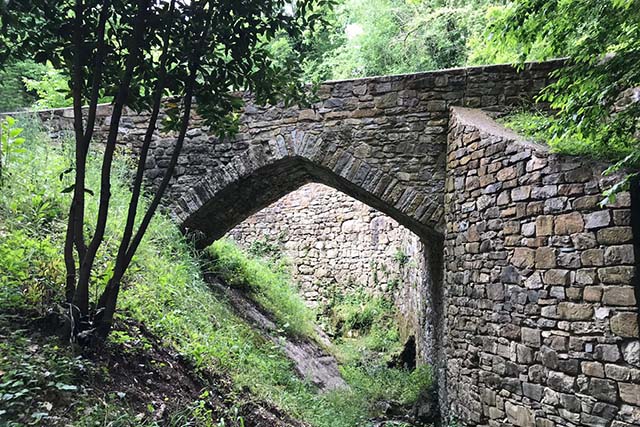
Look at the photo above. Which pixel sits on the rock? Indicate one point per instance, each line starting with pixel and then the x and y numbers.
pixel 545 257
pixel 560 382
pixel 631 352
pixel 619 295
pixel 523 257
pixel 495 291
pixel 625 325
pixel 616 275
pixel 519 415
pixel 592 294
pixel 544 225
pixel 597 220
pixel 575 311
pixel 603 390
pixel 569 223
pixel 592 257
pixel 593 369
pixel 614 235
pixel 630 393
pixel 615 255
pixel 510 275
pixel 556 277
pixel 531 337
pixel 584 240
pixel 607 352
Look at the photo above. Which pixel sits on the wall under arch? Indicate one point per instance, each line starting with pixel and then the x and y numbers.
pixel 336 244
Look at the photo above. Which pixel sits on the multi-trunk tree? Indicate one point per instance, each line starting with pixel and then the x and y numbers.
pixel 166 57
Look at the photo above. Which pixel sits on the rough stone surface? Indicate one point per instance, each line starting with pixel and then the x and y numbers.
pixel 574 304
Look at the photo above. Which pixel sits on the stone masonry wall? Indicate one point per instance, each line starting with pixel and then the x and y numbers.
pixel 336 244
pixel 541 313
pixel 381 140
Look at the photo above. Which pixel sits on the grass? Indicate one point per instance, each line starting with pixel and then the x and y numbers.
pixel 544 129
pixel 165 290
pixel 267 283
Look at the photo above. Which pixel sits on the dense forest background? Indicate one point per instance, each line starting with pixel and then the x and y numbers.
pixel 359 38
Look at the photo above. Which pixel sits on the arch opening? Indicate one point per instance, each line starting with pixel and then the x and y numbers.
pixel 237 200
pixel 228 198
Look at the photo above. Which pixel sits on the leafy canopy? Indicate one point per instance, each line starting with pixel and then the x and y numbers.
pixel 596 94
pixel 225 41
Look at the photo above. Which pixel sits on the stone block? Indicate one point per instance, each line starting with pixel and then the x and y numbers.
pixel 592 257
pixel 607 352
pixel 574 311
pixel 561 382
pixel 545 257
pixel 519 415
pixel 630 393
pixel 602 389
pixel 586 276
pixel 584 240
pixel 531 337
pixel 614 235
pixel 523 257
pixel 557 277
pixel 631 352
pixel 569 223
pixel 619 295
pixel 615 255
pixel 596 220
pixel 593 369
pixel 625 325
pixel 544 225
pixel 522 193
pixel 495 291
pixel 592 294
pixel 616 275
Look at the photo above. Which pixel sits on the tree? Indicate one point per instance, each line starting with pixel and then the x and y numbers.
pixel 137 53
pixel 596 95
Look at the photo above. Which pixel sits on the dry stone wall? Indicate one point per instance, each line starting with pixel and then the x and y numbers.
pixel 541 314
pixel 334 242
pixel 337 245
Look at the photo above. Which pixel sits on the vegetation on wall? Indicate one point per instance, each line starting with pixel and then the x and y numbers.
pixel 595 97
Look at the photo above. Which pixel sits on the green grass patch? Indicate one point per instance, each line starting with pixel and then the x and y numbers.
pixel 544 129
pixel 267 282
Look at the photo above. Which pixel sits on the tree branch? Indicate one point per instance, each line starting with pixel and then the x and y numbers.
pixel 70 238
pixel 81 298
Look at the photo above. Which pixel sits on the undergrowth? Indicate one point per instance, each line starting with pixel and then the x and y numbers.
pixel 541 127
pixel 165 290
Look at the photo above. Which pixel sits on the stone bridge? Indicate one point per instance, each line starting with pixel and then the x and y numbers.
pixel 530 315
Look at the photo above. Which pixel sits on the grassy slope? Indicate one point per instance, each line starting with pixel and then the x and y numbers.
pixel 165 290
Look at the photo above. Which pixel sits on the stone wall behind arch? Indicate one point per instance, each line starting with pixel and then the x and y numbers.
pixel 337 245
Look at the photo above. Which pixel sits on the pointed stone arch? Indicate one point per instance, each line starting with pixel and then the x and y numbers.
pixel 266 172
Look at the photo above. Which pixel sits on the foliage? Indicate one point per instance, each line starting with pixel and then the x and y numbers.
pixel 602 41
pixel 364 327
pixel 136 53
pixel 10 142
pixel 365 38
pixel 51 88
pixel 33 376
pixel 14 95
pixel 266 282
